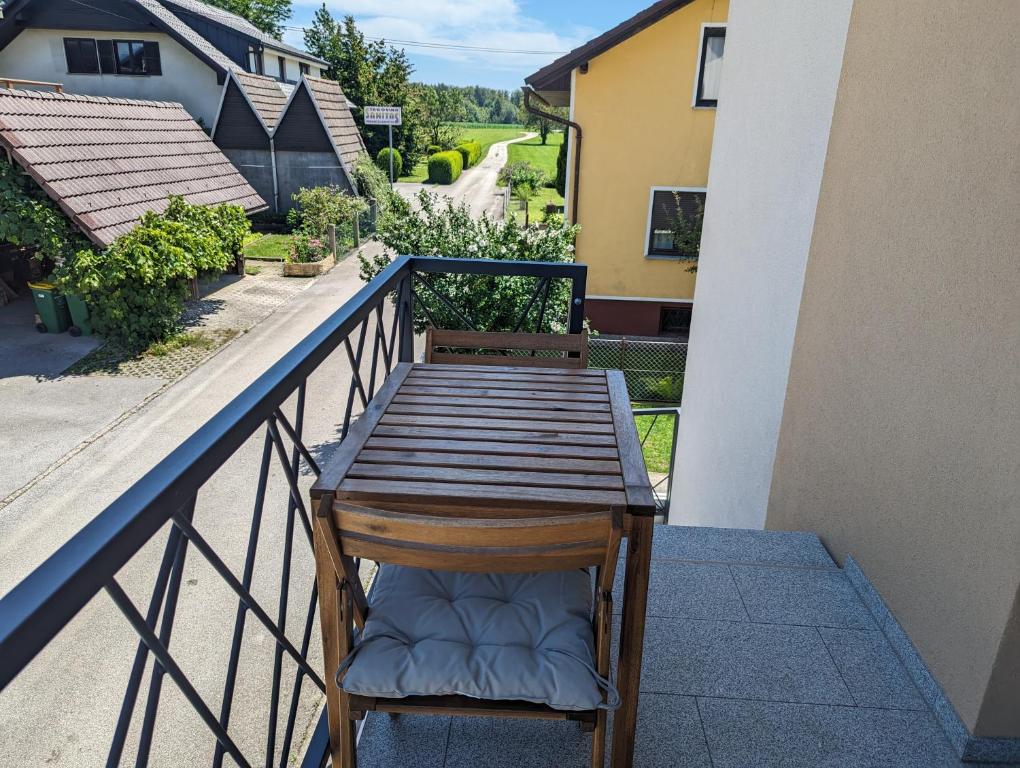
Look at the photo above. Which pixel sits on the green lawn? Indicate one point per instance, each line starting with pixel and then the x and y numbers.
pixel 659 443
pixel 486 135
pixel 537 204
pixel 540 155
pixel 268 248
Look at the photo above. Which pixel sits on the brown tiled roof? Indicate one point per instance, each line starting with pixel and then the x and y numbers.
pixel 107 161
pixel 336 113
pixel 266 95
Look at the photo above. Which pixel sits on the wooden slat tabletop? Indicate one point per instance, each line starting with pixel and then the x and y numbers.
pixel 462 439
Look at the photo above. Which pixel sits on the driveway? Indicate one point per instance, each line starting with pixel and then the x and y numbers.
pixel 476 186
pixel 64 706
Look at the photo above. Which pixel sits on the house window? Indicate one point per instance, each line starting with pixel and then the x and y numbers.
pixel 710 64
pixel 675 321
pixel 137 57
pixel 305 69
pixel 282 64
pixel 82 56
pixel 255 63
pixel 666 206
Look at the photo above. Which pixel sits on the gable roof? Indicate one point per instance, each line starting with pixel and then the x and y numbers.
pixel 239 24
pixel 556 76
pixel 336 114
pixel 267 96
pixel 107 161
pixel 187 36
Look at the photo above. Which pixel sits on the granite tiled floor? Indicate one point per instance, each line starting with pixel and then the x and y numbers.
pixel 758 653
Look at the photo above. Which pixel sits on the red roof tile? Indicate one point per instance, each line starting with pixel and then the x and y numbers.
pixel 107 161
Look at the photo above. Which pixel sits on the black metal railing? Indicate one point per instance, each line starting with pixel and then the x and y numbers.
pixel 650 422
pixel 375 331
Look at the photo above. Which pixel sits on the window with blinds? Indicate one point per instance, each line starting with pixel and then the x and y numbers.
pixel 713 44
pixel 663 217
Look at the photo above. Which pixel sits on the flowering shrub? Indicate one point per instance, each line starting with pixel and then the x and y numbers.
pixel 495 303
pixel 305 249
pixel 318 207
pixel 521 174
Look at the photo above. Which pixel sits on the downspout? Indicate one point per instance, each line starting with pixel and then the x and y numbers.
pixel 276 185
pixel 528 93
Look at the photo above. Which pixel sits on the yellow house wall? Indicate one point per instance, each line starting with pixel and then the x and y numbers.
pixel 640 131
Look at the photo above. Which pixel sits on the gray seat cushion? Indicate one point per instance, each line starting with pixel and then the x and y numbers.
pixel 489 636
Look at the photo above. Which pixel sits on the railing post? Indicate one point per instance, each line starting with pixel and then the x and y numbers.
pixel 405 308
pixel 575 322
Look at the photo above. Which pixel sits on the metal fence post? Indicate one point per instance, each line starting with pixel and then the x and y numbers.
pixel 405 308
pixel 331 234
pixel 575 322
pixel 357 231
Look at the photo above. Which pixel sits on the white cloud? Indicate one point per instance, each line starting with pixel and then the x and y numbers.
pixel 499 24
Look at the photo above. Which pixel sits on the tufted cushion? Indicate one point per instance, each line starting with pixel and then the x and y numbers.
pixel 488 636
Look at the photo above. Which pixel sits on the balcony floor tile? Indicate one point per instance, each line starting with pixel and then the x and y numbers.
pixel 769 734
pixel 410 741
pixel 739 660
pixel 817 598
pixel 871 669
pixel 733 545
pixel 687 590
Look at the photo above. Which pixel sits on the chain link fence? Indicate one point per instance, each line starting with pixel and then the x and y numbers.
pixel 654 370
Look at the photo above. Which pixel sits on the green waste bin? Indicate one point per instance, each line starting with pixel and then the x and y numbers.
pixel 81 322
pixel 50 308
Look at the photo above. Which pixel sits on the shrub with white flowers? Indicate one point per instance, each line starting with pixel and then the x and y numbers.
pixel 435 227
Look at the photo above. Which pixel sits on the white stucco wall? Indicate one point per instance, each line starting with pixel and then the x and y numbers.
pixel 271 65
pixel 782 66
pixel 38 54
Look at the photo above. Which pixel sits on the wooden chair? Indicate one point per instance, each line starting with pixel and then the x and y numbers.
pixel 556 545
pixel 564 343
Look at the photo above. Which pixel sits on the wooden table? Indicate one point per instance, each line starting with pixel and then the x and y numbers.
pixel 501 441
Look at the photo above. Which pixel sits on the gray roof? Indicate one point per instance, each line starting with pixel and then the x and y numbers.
pixel 187 34
pixel 107 161
pixel 266 94
pixel 239 24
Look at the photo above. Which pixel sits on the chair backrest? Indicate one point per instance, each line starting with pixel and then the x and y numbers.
pixel 564 343
pixel 481 545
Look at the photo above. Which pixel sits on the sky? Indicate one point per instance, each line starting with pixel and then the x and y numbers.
pixel 528 34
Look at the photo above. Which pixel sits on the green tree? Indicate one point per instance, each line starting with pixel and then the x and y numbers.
pixel 370 73
pixel 267 15
pixel 441 106
pixel 543 125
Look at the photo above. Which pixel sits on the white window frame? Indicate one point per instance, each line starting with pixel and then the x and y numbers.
pixel 697 61
pixel 648 222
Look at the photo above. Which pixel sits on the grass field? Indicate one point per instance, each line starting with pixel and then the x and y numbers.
pixel 539 155
pixel 268 248
pixel 659 442
pixel 486 135
pixel 537 204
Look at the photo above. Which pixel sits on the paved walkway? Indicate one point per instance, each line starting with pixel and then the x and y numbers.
pixel 476 186
pixel 758 652
pixel 64 706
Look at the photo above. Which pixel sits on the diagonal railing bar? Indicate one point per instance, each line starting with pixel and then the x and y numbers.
pixel 541 309
pixel 531 302
pixel 292 478
pixel 373 367
pixel 309 459
pixel 142 652
pixel 246 579
pixel 419 302
pixel 380 327
pixel 422 280
pixel 355 385
pixel 355 360
pixel 393 333
pixel 158 650
pixel 165 629
pixel 299 676
pixel 294 503
pixel 221 568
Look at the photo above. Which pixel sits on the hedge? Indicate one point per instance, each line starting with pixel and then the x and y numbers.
pixel 445 167
pixel 433 149
pixel 383 161
pixel 470 152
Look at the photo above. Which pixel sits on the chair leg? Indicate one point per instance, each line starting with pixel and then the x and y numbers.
pixel 603 638
pixel 334 620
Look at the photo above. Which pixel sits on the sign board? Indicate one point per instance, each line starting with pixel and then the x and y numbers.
pixel 383 116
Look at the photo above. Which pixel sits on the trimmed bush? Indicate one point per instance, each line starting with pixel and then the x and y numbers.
pixel 445 167
pixel 470 152
pixel 433 149
pixel 383 161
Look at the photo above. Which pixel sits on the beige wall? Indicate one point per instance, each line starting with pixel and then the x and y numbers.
pixel 900 438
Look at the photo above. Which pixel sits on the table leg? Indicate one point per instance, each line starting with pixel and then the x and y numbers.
pixel 632 636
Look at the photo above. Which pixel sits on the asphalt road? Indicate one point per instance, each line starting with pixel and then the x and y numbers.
pixel 63 708
pixel 476 186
